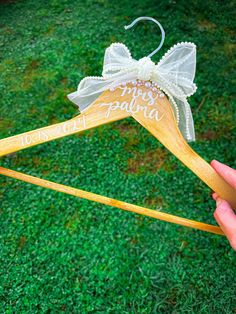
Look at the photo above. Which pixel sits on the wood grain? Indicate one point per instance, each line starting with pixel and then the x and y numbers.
pixel 111 202
pixel 92 117
pixel 165 130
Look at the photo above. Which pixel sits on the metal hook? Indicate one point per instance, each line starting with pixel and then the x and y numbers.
pixel 156 22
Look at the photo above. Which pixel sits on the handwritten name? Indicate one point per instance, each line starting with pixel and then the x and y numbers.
pixel 134 106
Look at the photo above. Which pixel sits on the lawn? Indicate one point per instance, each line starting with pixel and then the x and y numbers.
pixel 61 254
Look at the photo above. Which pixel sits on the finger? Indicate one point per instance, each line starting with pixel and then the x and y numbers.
pixel 226 218
pixel 226 172
pixel 214 196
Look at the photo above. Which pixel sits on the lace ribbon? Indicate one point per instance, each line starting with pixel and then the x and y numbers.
pixel 174 74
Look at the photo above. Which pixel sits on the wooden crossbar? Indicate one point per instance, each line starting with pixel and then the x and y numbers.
pixel 111 202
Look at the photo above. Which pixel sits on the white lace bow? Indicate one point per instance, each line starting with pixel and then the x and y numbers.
pixel 174 74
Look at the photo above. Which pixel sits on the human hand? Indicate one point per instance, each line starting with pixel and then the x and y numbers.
pixel 224 214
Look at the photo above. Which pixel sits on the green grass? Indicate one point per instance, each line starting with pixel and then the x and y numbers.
pixel 59 254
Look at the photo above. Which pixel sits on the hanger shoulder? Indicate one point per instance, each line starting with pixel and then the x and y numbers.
pixel 167 132
pixel 156 116
pixel 93 116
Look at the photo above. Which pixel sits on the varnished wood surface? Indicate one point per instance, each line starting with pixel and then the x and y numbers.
pixel 92 117
pixel 165 130
pixel 111 202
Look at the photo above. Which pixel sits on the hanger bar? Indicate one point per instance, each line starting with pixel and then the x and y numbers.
pixel 110 201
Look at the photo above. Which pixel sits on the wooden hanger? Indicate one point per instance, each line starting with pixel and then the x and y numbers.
pixel 156 116
pixel 163 127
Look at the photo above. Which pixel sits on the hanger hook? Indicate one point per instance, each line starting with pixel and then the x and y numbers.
pixel 156 22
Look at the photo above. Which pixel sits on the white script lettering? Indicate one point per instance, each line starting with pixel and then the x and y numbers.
pixel 135 105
